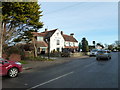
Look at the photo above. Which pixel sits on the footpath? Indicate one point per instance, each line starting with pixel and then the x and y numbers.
pixel 44 64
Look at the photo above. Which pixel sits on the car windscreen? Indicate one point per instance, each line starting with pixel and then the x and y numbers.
pixel 1 59
pixel 108 51
pixel 101 52
pixel 94 50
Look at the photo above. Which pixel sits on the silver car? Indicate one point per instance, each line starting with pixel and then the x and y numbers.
pixel 103 54
pixel 93 52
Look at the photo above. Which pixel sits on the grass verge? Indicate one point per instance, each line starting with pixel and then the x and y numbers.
pixel 38 59
pixel 23 61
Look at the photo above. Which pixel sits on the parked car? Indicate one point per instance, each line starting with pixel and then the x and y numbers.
pixel 93 52
pixel 103 54
pixel 10 68
pixel 65 53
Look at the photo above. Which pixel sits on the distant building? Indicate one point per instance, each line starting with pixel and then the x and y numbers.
pixel 99 46
pixel 57 41
pixel 91 47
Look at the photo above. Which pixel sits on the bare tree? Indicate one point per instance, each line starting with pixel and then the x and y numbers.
pixel 35 47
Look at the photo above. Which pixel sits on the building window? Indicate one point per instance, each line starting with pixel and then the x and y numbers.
pixel 69 44
pixel 43 49
pixel 57 34
pixel 64 43
pixel 74 44
pixel 58 42
pixel 39 38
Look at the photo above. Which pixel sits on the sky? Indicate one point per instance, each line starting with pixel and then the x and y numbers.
pixel 96 21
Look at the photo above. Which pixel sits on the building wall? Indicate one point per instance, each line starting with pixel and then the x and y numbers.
pixel 76 43
pixel 98 47
pixel 53 41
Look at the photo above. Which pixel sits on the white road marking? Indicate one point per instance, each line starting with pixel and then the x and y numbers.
pixel 50 81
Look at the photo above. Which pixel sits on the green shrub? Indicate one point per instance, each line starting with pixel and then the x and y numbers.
pixel 13 50
pixel 55 54
pixel 8 50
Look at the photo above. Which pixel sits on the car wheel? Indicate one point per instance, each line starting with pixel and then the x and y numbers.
pixel 13 72
pixel 97 58
pixel 110 57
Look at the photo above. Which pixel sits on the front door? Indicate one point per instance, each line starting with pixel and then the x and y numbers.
pixel 58 49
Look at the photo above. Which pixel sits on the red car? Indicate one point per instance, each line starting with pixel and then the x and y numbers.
pixel 10 68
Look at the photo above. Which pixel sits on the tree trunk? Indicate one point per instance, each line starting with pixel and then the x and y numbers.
pixel 35 48
pixel 0 44
pixel 1 41
pixel 1 31
pixel 2 36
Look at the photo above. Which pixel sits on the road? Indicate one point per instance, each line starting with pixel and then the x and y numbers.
pixel 79 73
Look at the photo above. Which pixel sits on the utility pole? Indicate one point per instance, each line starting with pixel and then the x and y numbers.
pixel 48 41
pixel 94 43
pixel 48 48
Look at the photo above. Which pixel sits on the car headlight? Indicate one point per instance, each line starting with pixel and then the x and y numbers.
pixel 18 63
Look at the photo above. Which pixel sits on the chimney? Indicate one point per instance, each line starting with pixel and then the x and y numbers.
pixel 46 29
pixel 61 32
pixel 72 34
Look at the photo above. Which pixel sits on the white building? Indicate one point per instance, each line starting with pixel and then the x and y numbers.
pixel 99 47
pixel 56 40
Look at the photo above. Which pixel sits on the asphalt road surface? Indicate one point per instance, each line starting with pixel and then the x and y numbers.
pixel 79 73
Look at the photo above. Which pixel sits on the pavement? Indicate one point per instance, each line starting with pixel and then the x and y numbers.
pixel 44 64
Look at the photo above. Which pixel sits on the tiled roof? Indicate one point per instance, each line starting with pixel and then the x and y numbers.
pixel 69 38
pixel 48 34
pixel 38 34
pixel 71 47
pixel 45 34
pixel 49 31
pixel 41 44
